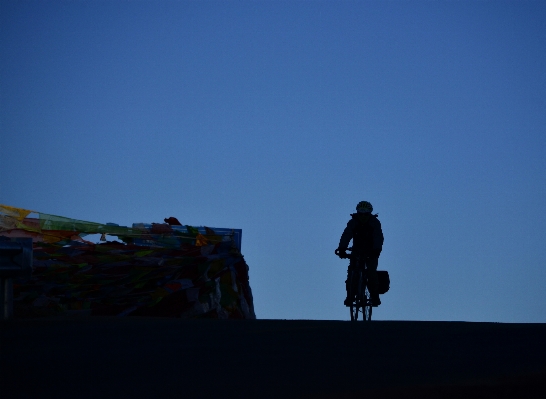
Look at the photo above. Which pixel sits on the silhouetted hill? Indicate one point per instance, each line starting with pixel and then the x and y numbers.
pixel 153 358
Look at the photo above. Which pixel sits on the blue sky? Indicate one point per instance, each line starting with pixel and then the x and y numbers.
pixel 278 118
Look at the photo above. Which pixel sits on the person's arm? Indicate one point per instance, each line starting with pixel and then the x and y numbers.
pixel 377 237
pixel 346 236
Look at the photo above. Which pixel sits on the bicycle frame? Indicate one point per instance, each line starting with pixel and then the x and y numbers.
pixel 358 281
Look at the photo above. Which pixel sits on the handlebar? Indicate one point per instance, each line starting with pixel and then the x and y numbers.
pixel 345 255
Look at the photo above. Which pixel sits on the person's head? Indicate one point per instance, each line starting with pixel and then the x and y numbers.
pixel 364 207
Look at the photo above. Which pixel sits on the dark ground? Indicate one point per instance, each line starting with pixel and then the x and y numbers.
pixel 91 357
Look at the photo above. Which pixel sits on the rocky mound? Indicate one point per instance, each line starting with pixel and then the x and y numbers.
pixel 158 269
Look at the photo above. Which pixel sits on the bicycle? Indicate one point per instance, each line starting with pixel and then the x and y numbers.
pixel 358 285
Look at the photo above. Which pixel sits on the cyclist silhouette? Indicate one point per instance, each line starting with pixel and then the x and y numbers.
pixel 365 231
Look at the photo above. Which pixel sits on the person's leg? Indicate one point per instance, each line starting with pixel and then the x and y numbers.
pixel 373 280
pixel 349 299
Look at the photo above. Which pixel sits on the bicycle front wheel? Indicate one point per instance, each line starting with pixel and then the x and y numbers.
pixel 354 312
pixel 367 306
pixel 355 293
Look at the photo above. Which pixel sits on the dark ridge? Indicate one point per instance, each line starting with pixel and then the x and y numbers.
pixel 90 357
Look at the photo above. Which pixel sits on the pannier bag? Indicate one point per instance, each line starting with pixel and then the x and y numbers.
pixel 384 281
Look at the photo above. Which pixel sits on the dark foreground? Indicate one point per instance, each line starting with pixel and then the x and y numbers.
pixel 166 358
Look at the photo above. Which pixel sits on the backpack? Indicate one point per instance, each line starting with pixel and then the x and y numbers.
pixel 363 233
pixel 384 281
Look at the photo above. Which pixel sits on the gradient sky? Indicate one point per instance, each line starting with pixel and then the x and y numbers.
pixel 278 118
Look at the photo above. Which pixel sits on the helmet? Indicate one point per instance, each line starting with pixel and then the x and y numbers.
pixel 364 207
